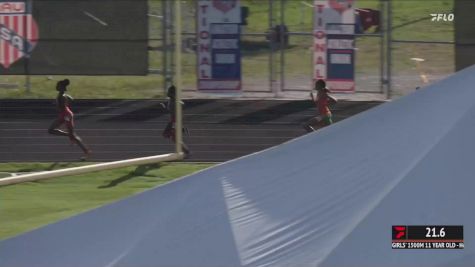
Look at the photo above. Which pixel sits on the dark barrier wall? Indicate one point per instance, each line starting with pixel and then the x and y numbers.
pixel 82 37
pixel 464 33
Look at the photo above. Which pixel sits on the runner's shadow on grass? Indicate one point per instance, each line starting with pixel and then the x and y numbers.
pixel 147 111
pixel 139 171
pixel 271 113
pixel 53 166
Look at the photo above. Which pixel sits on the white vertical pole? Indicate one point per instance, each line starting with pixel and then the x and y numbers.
pixel 178 122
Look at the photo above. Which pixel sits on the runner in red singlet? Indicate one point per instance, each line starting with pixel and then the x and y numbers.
pixel 169 131
pixel 322 102
pixel 66 116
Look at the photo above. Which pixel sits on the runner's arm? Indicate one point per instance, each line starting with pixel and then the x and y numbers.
pixel 61 102
pixel 332 99
pixel 312 96
pixel 68 99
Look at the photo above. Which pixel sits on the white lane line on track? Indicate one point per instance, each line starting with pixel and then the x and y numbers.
pixel 151 152
pixel 120 145
pixel 158 129
pixel 98 20
pixel 146 136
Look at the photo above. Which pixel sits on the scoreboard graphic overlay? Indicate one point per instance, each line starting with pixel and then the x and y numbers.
pixel 427 237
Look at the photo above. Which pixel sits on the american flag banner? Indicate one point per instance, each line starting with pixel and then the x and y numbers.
pixel 18 32
pixel 74 37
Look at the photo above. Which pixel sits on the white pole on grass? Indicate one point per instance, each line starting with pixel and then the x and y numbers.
pixel 89 168
pixel 178 111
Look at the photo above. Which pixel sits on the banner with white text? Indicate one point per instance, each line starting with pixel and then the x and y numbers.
pixel 333 36
pixel 219 54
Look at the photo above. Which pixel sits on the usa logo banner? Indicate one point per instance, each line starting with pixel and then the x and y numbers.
pixel 18 32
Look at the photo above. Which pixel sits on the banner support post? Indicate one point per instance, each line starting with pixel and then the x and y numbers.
pixel 382 23
pixel 178 108
pixel 282 37
pixel 271 46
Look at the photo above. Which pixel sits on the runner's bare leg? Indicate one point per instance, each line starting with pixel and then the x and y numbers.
pixel 311 125
pixel 184 147
pixel 53 129
pixel 74 137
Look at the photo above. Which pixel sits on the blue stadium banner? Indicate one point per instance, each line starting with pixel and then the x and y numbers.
pixel 333 21
pixel 341 57
pixel 219 37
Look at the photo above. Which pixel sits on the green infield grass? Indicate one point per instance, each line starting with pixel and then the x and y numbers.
pixel 27 206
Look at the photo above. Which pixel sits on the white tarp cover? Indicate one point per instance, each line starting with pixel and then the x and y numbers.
pixel 327 199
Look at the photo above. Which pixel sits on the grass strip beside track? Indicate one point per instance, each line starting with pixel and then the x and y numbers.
pixel 27 206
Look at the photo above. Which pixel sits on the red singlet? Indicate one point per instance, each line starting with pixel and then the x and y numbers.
pixel 322 105
pixel 66 115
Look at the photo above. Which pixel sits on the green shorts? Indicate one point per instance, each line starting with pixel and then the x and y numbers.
pixel 327 120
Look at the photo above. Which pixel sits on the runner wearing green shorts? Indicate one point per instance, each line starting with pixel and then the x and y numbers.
pixel 322 101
